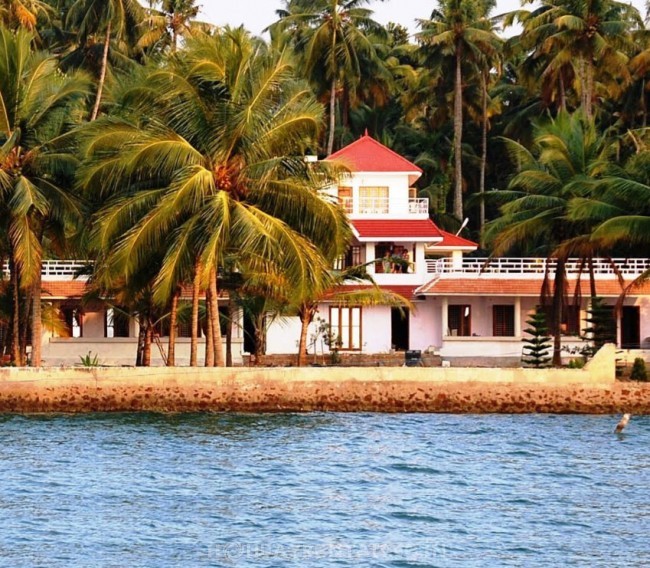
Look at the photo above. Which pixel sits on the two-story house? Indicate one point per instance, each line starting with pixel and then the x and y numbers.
pixel 469 310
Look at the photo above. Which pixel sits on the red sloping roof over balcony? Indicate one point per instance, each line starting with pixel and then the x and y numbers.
pixel 404 291
pixel 396 230
pixel 451 241
pixel 368 155
pixel 517 287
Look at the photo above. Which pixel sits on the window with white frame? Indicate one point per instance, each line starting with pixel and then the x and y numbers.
pixel 373 200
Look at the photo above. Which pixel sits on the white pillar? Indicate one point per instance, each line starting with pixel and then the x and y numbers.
pixel 457 259
pixel 518 317
pixel 445 317
pixel 370 257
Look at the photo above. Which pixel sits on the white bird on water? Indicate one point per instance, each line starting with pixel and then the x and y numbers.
pixel 623 423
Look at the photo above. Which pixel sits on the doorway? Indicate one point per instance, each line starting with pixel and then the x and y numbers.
pixel 399 336
pixel 630 327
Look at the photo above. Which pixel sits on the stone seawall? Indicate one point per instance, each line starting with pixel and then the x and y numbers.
pixel 589 390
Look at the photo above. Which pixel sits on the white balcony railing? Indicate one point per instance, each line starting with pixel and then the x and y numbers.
pixel 536 267
pixel 373 205
pixel 58 269
pixel 419 205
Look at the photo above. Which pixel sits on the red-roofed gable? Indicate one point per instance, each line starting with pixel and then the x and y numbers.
pixel 421 230
pixel 368 155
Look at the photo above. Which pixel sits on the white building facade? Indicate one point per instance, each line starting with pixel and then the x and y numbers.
pixel 468 310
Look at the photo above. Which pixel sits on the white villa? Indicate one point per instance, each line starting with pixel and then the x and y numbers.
pixel 467 309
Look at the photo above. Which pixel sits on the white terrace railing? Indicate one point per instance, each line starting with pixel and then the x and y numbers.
pixel 419 205
pixel 58 269
pixel 535 267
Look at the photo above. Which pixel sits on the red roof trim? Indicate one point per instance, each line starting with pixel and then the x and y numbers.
pixel 449 240
pixel 396 228
pixel 368 155
pixel 485 286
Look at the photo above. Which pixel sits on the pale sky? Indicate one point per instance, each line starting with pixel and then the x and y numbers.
pixel 257 14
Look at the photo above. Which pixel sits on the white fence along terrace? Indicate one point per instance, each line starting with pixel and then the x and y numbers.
pixel 536 267
pixel 60 270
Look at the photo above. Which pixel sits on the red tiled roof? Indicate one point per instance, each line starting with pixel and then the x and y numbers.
pixel 77 288
pixel 404 291
pixel 368 155
pixel 449 240
pixel 420 229
pixel 69 289
pixel 516 287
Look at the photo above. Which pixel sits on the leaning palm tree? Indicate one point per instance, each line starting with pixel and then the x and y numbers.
pixel 38 107
pixel 459 31
pixel 114 18
pixel 205 162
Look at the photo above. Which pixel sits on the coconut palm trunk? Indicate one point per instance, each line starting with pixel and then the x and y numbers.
pixel 173 322
pixel 458 136
pixel 558 305
pixel 231 311
pixel 483 153
pixel 332 118
pixel 37 323
pixel 216 324
pixel 306 317
pixel 16 356
pixel 102 73
pixel 209 342
pixel 194 340
pixel 146 347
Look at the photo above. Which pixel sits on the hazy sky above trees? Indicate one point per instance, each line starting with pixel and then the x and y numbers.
pixel 257 14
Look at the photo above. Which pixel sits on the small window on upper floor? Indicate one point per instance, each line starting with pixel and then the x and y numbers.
pixel 345 198
pixel 373 200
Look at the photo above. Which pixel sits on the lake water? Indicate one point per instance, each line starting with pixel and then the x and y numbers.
pixel 320 490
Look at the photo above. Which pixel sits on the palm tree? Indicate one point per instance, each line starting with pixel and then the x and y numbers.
pixel 460 32
pixel 331 38
pixel 114 18
pixel 206 161
pixel 169 20
pixel 24 13
pixel 569 159
pixel 38 106
pixel 580 41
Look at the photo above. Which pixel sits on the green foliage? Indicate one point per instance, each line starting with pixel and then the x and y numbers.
pixel 537 346
pixel 577 363
pixel 639 371
pixel 601 325
pixel 90 360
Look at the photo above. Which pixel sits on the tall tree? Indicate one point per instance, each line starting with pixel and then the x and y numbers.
pixel 580 42
pixel 207 161
pixel 114 18
pixel 461 33
pixel 568 160
pixel 331 37
pixel 38 106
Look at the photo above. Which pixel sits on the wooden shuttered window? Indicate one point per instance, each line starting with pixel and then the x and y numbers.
pixel 503 321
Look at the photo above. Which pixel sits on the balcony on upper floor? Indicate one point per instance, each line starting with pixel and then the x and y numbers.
pixel 377 207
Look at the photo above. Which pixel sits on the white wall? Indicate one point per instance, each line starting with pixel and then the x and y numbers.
pixel 424 328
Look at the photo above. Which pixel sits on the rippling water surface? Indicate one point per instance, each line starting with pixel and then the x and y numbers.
pixel 323 490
